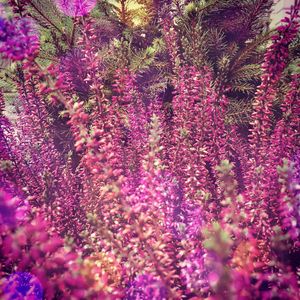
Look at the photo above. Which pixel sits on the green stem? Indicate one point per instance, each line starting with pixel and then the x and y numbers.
pixel 46 18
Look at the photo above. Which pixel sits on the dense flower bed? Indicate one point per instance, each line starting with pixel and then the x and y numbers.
pixel 107 195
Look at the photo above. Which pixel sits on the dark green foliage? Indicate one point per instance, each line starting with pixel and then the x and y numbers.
pixel 228 36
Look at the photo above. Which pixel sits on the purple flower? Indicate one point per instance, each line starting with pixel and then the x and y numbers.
pixel 195 272
pixel 183 217
pixel 146 287
pixel 7 210
pixel 22 285
pixel 12 209
pixel 74 68
pixel 296 166
pixel 76 8
pixel 18 39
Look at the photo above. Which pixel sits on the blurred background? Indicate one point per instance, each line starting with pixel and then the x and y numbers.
pixel 280 6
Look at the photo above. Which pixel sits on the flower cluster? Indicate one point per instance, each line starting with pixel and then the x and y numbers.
pixel 146 287
pixel 75 8
pixel 18 39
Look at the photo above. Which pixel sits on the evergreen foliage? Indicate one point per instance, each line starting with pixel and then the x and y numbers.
pixel 149 149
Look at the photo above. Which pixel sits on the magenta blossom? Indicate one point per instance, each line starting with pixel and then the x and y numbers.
pixel 18 39
pixel 194 272
pixel 12 209
pixel 146 287
pixel 7 209
pixel 76 8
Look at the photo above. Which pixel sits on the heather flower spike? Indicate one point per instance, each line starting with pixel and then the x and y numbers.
pixel 76 8
pixel 18 39
pixel 146 287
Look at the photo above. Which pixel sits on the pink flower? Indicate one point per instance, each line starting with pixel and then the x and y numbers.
pixel 18 39
pixel 76 8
